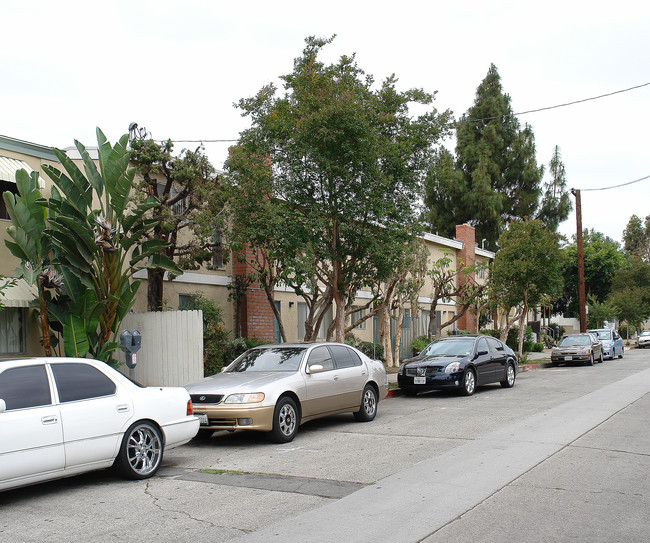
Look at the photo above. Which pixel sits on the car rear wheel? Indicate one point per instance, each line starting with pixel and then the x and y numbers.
pixel 510 377
pixel 368 405
pixel 141 451
pixel 285 421
pixel 622 351
pixel 469 383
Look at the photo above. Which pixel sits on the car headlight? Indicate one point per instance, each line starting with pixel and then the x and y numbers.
pixel 453 367
pixel 255 397
pixel 401 369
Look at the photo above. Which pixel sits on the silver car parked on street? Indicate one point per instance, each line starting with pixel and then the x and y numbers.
pixel 276 388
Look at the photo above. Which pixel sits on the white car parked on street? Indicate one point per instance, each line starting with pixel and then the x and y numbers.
pixel 64 416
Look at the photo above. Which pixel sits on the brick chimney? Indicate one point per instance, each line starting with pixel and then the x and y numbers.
pixel 467 256
pixel 253 314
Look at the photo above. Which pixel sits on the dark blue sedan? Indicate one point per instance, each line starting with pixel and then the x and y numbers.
pixel 460 362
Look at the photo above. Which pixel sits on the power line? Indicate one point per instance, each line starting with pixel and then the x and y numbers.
pixel 469 120
pixel 558 105
pixel 617 186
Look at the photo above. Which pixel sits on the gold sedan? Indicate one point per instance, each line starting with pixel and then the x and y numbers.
pixel 276 388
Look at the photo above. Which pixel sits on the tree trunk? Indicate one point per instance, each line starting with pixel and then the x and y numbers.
pixel 155 277
pixel 45 327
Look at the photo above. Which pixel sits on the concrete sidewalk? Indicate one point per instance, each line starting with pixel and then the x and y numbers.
pixel 431 500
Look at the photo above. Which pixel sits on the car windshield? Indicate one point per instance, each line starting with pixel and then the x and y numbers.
pixel 457 347
pixel 275 359
pixel 602 334
pixel 645 333
pixel 571 341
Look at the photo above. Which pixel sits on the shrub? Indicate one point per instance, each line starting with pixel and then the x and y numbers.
pixel 373 350
pixel 627 330
pixel 418 344
pixel 490 332
pixel 538 347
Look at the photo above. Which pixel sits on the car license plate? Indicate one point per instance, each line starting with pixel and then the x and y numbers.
pixel 419 380
pixel 203 419
pixel 567 358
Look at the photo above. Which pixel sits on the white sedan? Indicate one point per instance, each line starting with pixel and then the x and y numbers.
pixel 64 416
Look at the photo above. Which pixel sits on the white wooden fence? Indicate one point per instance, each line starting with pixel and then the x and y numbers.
pixel 172 347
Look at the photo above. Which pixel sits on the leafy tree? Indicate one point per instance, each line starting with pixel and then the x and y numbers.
pixel 602 258
pixel 496 178
pixel 347 162
pixel 556 202
pixel 631 292
pixel 636 237
pixel 527 267
pixel 190 210
pixel 599 312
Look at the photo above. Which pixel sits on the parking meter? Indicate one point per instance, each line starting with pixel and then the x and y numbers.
pixel 131 343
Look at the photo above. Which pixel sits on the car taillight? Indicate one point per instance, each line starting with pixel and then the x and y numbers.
pixel 190 409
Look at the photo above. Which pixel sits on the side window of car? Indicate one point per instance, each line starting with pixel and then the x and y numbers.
pixel 321 355
pixel 25 387
pixel 81 382
pixel 344 356
pixel 495 345
pixel 482 345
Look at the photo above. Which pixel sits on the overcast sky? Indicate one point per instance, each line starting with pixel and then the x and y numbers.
pixel 176 68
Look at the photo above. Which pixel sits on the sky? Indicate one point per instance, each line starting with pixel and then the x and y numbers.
pixel 177 69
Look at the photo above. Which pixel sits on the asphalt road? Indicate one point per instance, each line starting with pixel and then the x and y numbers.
pixel 562 456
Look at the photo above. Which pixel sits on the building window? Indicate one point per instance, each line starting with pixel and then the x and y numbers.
pixel 217 256
pixel 185 301
pixel 358 314
pixel 6 186
pixel 12 331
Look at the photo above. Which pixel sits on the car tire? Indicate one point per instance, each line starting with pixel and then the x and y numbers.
pixel 509 381
pixel 469 383
pixel 203 435
pixel 555 364
pixel 141 451
pixel 285 421
pixel 601 359
pixel 590 362
pixel 368 408
pixel 622 351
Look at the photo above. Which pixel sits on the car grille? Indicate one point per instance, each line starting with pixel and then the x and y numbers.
pixel 428 371
pixel 206 398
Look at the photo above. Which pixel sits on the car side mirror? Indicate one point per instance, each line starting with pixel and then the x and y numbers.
pixel 315 368
pixel 481 353
pixel 3 406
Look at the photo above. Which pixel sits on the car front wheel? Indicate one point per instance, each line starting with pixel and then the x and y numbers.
pixel 368 405
pixel 590 362
pixel 509 381
pixel 141 451
pixel 285 421
pixel 469 383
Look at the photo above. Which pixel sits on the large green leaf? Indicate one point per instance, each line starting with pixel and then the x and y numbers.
pixel 75 340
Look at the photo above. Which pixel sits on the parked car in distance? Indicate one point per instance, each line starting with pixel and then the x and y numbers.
pixel 584 348
pixel 64 416
pixel 643 340
pixel 611 342
pixel 460 362
pixel 276 388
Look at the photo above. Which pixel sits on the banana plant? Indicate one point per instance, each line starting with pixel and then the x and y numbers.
pixel 96 233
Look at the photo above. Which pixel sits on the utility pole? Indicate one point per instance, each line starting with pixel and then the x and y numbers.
pixel 581 263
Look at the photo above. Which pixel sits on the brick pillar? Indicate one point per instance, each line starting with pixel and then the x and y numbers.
pixel 256 319
pixel 466 257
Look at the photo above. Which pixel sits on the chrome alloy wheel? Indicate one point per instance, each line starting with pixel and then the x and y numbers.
pixel 369 402
pixel 144 450
pixel 287 419
pixel 510 376
pixel 470 382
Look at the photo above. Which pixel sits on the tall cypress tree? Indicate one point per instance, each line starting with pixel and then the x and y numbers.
pixel 496 177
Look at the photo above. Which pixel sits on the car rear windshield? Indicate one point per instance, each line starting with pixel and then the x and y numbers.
pixel 602 334
pixel 278 359
pixel 570 341
pixel 460 347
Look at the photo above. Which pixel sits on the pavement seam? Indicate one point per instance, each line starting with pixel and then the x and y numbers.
pixel 149 492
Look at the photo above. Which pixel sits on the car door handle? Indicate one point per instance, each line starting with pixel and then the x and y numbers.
pixel 336 377
pixel 50 420
pixel 124 408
